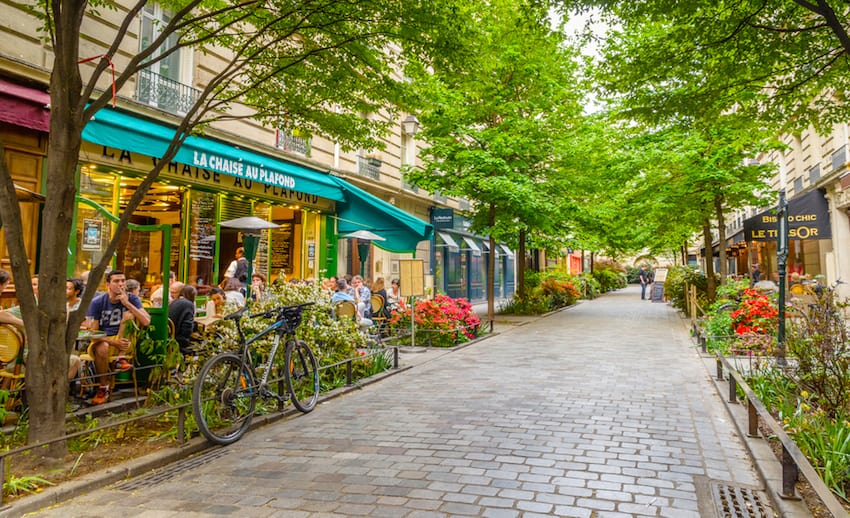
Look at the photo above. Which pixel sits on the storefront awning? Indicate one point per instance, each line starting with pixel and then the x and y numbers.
pixel 123 131
pixel 808 218
pixel 24 106
pixel 361 210
pixel 449 241
pixel 476 251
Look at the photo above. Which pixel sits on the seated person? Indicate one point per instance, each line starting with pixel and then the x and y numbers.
pixel 233 292
pixel 7 316
pixel 182 313
pixel 362 295
pixel 157 294
pixel 215 304
pixel 258 287
pixel 341 293
pixel 110 310
pixel 73 291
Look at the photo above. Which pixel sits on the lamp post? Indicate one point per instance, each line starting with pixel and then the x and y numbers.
pixel 410 125
pixel 250 226
pixel 781 258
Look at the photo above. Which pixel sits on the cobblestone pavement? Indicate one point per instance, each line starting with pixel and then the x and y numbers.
pixel 601 410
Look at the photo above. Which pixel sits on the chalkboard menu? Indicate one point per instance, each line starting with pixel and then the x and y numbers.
pixel 657 292
pixel 202 224
pixel 261 264
pixel 281 248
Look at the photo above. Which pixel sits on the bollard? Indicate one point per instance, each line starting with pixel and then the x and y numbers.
pixel 349 377
pixel 281 389
pixel 395 357
pixel 789 475
pixel 702 343
pixel 719 370
pixel 733 389
pixel 752 420
pixel 181 424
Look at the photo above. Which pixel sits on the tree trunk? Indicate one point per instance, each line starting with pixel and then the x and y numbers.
pixel 710 288
pixel 520 265
pixel 721 230
pixel 491 270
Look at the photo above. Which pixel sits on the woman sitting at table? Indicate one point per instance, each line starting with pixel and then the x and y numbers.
pixel 215 304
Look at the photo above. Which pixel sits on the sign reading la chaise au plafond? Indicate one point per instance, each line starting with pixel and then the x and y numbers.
pixel 808 218
pixel 212 171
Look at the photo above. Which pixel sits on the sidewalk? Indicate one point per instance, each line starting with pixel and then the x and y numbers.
pixel 602 409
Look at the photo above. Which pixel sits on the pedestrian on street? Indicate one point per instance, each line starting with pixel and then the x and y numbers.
pixel 644 278
pixel 755 274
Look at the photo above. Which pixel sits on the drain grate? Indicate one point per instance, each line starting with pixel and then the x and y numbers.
pixel 155 477
pixel 740 502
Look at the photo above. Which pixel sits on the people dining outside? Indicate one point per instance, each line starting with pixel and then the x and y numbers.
pixel 73 291
pixel 181 312
pixel 7 316
pixel 362 296
pixel 394 293
pixel 258 287
pixel 109 313
pixel 215 303
pixel 378 288
pixel 233 293
pixel 158 293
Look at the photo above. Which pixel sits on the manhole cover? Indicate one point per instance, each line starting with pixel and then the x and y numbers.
pixel 740 502
pixel 155 477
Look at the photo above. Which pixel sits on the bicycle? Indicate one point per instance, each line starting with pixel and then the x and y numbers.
pixel 225 394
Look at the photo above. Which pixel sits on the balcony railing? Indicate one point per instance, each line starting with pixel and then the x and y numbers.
pixel 286 141
pixel 370 167
pixel 164 93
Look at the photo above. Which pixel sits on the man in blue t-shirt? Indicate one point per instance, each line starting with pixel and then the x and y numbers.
pixel 109 311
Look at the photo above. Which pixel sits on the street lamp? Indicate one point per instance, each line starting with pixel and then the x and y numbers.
pixel 410 125
pixel 781 258
pixel 250 226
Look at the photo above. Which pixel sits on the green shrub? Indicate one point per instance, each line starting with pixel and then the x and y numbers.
pixel 610 275
pixel 674 286
pixel 589 287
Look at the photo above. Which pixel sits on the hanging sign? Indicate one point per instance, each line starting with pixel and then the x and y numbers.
pixel 92 234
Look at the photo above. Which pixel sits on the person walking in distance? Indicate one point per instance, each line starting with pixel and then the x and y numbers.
pixel 645 279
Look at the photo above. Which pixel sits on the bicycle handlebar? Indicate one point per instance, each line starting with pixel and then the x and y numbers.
pixel 280 310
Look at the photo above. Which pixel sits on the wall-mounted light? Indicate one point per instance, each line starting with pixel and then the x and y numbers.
pixel 410 125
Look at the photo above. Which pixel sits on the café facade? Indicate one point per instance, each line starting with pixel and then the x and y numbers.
pixel 207 182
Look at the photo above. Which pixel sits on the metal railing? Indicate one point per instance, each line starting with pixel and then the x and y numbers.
pixel 369 167
pixel 181 413
pixel 793 461
pixel 164 93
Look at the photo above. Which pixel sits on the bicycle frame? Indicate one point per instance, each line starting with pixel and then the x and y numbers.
pixel 280 328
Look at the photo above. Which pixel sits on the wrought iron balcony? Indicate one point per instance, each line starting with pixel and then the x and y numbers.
pixel 370 167
pixel 287 141
pixel 164 93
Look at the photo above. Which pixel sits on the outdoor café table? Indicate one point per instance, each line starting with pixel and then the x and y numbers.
pixel 206 321
pixel 84 338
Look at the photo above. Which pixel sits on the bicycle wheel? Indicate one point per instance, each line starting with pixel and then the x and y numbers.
pixel 223 398
pixel 301 375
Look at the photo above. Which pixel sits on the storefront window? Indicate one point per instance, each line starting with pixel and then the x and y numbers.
pixel 202 236
pixel 93 230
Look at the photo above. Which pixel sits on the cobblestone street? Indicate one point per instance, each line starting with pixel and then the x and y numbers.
pixel 604 409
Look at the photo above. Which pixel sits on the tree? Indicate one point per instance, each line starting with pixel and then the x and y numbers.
pixel 319 65
pixel 783 61
pixel 496 122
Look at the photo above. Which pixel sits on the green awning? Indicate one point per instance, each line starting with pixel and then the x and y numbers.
pixel 124 131
pixel 364 211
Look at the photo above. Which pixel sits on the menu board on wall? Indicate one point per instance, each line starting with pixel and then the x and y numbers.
pixel 202 221
pixel 281 248
pixel 263 211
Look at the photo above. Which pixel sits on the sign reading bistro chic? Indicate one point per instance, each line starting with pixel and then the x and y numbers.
pixel 808 218
pixel 249 180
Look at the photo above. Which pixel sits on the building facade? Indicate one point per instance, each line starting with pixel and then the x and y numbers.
pixel 316 193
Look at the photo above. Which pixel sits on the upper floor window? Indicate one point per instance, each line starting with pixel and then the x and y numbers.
pixel 164 83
